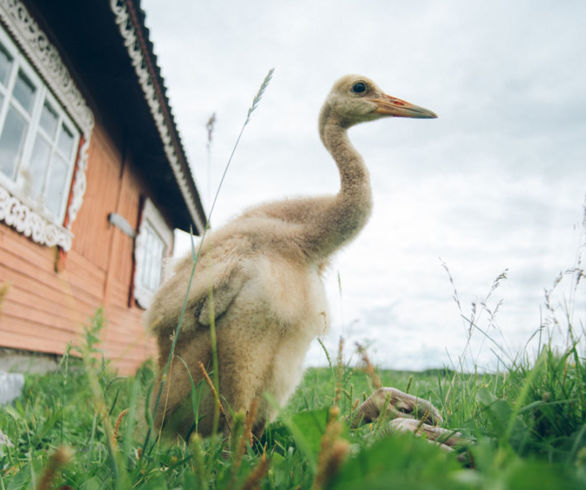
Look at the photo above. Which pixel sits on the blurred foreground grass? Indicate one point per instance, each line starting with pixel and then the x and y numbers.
pixel 83 427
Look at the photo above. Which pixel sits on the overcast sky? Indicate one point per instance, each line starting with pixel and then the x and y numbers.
pixel 496 183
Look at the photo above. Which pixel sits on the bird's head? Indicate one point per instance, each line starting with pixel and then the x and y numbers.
pixel 355 99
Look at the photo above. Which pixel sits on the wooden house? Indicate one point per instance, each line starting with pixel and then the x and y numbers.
pixel 93 175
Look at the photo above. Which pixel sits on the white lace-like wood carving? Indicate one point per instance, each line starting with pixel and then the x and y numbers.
pixel 31 224
pixel 140 66
pixel 47 61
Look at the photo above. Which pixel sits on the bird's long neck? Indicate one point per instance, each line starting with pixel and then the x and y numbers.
pixel 342 217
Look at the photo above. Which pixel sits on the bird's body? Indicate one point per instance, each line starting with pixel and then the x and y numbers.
pixel 267 310
pixel 263 271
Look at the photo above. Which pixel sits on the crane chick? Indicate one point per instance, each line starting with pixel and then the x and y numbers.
pixel 263 271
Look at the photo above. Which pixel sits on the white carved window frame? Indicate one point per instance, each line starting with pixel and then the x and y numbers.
pixel 19 185
pixel 35 46
pixel 152 227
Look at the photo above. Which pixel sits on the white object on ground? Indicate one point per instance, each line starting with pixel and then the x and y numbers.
pixel 4 441
pixel 11 385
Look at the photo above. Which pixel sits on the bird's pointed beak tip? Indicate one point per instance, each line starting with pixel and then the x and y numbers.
pixel 391 106
pixel 421 113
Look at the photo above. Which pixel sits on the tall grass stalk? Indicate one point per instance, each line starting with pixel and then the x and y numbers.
pixel 216 373
pixel 195 256
pixel 255 102
pixel 210 126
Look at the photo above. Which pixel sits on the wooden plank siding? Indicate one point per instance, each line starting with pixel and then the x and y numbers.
pixel 44 310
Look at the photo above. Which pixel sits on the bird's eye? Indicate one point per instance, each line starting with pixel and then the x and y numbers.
pixel 359 87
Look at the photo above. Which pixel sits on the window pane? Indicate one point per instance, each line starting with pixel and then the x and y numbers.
pixel 158 264
pixel 146 261
pixel 5 65
pixel 49 120
pixel 152 263
pixel 151 279
pixel 65 143
pixel 56 185
pixel 156 277
pixel 24 91
pixel 11 142
pixel 147 258
pixel 38 166
pixel 143 270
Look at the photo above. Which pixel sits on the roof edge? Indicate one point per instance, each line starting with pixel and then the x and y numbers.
pixel 135 36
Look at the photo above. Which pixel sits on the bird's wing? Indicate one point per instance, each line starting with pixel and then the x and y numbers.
pixel 218 275
pixel 220 294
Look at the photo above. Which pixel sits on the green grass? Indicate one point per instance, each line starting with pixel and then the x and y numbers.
pixel 526 429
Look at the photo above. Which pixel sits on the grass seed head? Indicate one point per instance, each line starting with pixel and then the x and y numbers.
pixel 259 472
pixel 59 458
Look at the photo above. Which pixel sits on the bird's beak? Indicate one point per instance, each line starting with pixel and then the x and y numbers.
pixel 391 106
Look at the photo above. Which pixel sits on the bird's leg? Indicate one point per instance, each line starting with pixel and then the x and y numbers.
pixel 175 408
pixel 246 354
pixel 395 403
pixel 408 413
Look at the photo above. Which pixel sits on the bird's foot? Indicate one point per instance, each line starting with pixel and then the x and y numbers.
pixel 444 438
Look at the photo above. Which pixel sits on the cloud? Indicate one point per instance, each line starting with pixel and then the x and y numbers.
pixel 496 182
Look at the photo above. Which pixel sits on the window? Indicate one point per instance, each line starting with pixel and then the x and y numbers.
pixel 152 247
pixel 154 253
pixel 38 141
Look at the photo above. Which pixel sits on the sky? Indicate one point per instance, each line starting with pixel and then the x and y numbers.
pixel 496 185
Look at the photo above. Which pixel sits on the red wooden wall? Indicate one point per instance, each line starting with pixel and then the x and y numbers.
pixel 43 310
